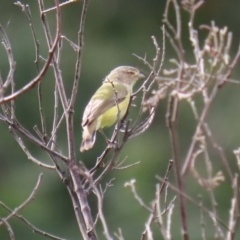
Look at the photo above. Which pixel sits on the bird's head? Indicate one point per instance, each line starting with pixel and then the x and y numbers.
pixel 125 74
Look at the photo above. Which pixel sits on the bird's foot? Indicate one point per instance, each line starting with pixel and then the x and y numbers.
pixel 123 126
pixel 112 144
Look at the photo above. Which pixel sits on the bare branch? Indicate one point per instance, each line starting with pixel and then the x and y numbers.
pixel 41 74
pixel 30 198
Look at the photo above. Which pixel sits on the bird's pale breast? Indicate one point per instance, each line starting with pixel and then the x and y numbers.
pixel 110 116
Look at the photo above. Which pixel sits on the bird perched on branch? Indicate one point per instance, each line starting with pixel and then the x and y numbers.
pixel 109 103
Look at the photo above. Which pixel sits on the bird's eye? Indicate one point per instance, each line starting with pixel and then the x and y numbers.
pixel 131 73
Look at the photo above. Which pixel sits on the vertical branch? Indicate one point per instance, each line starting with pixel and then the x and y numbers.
pixel 173 107
pixel 78 212
pixel 234 211
pixel 69 121
pixel 79 53
pixel 10 78
pixel 99 193
pixel 42 115
pixel 172 116
pixel 72 166
pixel 1 86
pixel 27 13
pixel 57 72
pixel 218 231
pixel 55 119
pixel 82 200
pixel 7 45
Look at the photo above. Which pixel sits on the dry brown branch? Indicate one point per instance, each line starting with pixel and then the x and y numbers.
pixel 234 211
pixel 195 202
pixel 30 198
pixel 41 74
pixel 30 225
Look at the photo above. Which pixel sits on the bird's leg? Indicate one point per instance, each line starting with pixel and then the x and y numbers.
pixel 111 144
pixel 122 126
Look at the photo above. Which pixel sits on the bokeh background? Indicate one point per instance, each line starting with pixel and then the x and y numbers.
pixel 115 29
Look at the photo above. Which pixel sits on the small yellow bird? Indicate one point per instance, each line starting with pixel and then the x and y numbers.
pixel 109 103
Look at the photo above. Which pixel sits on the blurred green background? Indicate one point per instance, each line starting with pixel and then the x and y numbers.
pixel 115 29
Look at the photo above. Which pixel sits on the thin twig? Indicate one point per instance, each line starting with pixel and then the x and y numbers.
pixel 41 74
pixel 30 198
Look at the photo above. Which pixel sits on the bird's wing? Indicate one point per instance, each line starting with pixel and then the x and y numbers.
pixel 104 98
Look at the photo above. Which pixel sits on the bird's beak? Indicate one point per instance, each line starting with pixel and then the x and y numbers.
pixel 140 75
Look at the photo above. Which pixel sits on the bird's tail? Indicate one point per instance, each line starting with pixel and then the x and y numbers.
pixel 89 137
